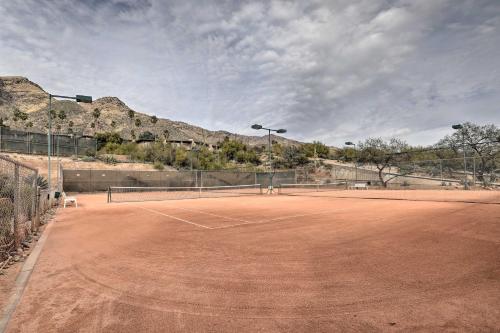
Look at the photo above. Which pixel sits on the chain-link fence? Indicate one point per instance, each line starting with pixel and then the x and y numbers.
pixel 89 180
pixel 474 171
pixel 16 141
pixel 21 203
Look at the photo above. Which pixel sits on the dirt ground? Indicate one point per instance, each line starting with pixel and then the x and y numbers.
pixel 267 264
pixel 7 281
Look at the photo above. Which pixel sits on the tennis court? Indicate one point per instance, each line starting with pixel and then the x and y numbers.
pixel 307 259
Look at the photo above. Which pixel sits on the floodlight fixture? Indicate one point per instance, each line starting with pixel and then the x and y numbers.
pixel 349 143
pixel 83 99
pixel 458 126
pixel 269 130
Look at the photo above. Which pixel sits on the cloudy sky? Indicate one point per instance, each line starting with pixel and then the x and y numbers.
pixel 329 70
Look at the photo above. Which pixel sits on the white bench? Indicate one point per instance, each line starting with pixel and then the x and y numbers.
pixel 356 186
pixel 70 200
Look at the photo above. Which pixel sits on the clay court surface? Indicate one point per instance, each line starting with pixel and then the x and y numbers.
pixel 309 263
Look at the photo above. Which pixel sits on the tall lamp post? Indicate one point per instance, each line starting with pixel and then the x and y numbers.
pixel 349 143
pixel 459 127
pixel 78 98
pixel 269 130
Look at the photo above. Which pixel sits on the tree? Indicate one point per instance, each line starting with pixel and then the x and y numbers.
pixel 293 157
pixel 131 115
pixel 316 149
pixel 146 136
pixel 19 115
pixel 166 134
pixel 96 114
pixel 61 115
pixel 383 154
pixel 107 137
pixel 480 141
pixel 230 148
pixel 154 120
pixel 137 122
pixel 181 157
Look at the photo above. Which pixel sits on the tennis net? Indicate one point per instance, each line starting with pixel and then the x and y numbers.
pixel 130 194
pixel 308 188
pixel 414 193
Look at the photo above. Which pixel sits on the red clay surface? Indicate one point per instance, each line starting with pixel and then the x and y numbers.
pixel 269 264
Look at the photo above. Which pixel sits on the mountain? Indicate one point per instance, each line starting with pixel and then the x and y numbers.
pixel 24 104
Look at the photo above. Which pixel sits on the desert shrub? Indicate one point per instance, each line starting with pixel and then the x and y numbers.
pixel 147 136
pixel 108 159
pixel 158 165
pixel 108 137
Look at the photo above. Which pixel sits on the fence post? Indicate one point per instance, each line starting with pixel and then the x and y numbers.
pixel 17 196
pixel 33 204
pixel 441 169
pixel 37 207
pixel 474 171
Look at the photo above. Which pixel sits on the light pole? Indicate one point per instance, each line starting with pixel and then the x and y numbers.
pixel 78 98
pixel 349 143
pixel 269 130
pixel 460 127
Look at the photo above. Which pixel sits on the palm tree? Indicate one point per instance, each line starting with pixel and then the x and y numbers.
pixel 96 114
pixel 131 115
pixel 62 116
pixel 154 120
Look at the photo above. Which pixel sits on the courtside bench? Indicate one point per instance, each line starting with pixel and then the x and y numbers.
pixel 361 186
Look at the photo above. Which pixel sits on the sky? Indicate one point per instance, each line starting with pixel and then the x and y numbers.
pixel 327 70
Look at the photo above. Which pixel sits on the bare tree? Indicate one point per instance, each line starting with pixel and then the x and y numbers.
pixel 481 142
pixel 383 154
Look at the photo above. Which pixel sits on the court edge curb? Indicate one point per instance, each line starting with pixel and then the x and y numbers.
pixel 23 278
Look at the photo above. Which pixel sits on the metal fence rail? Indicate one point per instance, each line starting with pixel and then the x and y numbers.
pixel 21 203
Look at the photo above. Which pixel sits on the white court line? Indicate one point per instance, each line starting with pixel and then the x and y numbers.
pixel 175 218
pixel 221 216
pixel 275 219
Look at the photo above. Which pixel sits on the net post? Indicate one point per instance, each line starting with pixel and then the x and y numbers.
pixel 109 194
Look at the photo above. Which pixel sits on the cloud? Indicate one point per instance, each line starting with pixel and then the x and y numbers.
pixel 328 70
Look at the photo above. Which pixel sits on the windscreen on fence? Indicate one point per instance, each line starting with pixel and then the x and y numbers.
pixel 89 180
pixel 24 142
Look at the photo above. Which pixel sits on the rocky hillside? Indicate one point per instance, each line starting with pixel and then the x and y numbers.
pixel 23 105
